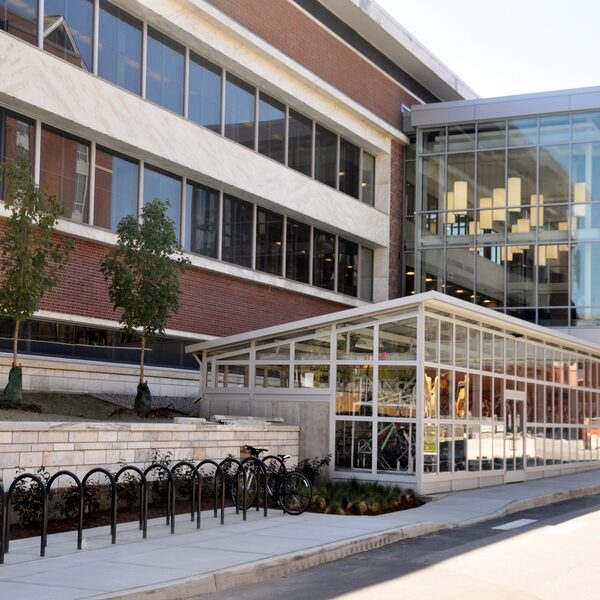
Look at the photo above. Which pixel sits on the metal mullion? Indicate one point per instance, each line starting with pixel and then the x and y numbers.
pixel 254 234
pixel 40 24
pixel 360 176
pixel 337 164
pixel 186 83
pixel 223 92
pixel 140 202
pixel 92 180
pixel 183 214
pixel 220 226
pixel 256 117
pixel 336 250
pixel 286 137
pixel 96 37
pixel 313 167
pixel 144 56
pixel 37 156
pixel 359 273
pixel 284 246
pixel 311 257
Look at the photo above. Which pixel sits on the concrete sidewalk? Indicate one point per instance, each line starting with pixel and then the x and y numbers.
pixel 217 558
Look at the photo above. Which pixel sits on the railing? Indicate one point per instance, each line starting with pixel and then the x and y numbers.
pixel 229 470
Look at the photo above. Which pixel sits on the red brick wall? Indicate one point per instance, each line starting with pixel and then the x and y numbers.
pixel 396 219
pixel 212 303
pixel 288 28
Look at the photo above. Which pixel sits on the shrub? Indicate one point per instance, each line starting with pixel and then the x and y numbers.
pixel 68 505
pixel 312 467
pixel 27 499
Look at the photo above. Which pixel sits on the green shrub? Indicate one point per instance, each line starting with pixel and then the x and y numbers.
pixel 27 499
pixel 312 467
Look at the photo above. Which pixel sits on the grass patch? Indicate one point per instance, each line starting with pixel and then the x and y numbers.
pixel 355 497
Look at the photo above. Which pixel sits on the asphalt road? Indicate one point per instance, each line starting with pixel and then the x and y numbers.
pixel 554 555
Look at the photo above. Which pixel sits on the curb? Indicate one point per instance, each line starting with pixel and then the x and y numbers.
pixel 288 564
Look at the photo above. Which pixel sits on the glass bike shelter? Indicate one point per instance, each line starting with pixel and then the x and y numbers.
pixel 429 392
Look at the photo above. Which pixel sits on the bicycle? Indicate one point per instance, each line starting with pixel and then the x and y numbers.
pixel 292 490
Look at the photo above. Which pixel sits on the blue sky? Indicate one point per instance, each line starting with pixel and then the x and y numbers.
pixel 510 46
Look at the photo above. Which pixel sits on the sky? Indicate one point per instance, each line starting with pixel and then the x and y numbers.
pixel 505 47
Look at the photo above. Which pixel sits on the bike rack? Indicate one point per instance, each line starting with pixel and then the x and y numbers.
pixel 239 473
pixel 81 500
pixel 218 474
pixel 3 500
pixel 263 469
pixel 113 498
pixel 170 514
pixel 143 495
pixel 195 475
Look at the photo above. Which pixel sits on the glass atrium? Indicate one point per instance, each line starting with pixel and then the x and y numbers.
pixel 429 391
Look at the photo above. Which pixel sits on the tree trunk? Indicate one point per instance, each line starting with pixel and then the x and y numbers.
pixel 142 352
pixel 15 342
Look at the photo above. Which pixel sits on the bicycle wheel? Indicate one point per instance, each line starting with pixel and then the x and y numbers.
pixel 237 488
pixel 295 492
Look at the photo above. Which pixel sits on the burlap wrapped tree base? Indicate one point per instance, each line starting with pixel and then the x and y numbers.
pixel 13 392
pixel 143 399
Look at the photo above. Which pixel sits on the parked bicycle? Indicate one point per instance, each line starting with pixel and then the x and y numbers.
pixel 292 490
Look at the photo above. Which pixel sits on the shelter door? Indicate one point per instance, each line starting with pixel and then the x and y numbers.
pixel 514 410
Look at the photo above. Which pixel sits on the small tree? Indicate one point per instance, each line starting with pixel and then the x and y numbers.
pixel 143 270
pixel 31 256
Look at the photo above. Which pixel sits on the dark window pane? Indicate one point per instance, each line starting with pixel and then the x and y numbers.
pixel 325 156
pixel 297 253
pixel 19 18
pixel 17 137
pixel 349 168
pixel 202 236
pixel 116 189
pixel 324 263
pixel 164 72
pixel 68 30
pixel 164 187
pixel 239 111
pixel 299 142
pixel 119 48
pixel 237 231
pixel 65 170
pixel 366 274
pixel 347 267
pixel 368 180
pixel 269 241
pixel 205 93
pixel 271 128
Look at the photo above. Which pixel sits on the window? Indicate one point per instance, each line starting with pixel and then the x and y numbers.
pixel 271 128
pixel 349 168
pixel 367 183
pixel 16 138
pixel 164 187
pixel 297 253
pixel 65 169
pixel 116 189
pixel 324 263
pixel 237 231
pixel 347 267
pixel 325 156
pixel 299 142
pixel 120 48
pixel 366 274
pixel 202 236
pixel 19 18
pixel 68 30
pixel 205 93
pixel 269 242
pixel 164 72
pixel 239 111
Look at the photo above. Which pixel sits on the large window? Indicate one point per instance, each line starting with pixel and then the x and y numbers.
pixel 367 183
pixel 164 72
pixel 68 30
pixel 237 231
pixel 297 254
pixel 347 267
pixel 349 173
pixel 269 242
pixel 205 93
pixel 300 142
pixel 239 111
pixel 19 18
pixel 325 156
pixel 16 138
pixel 65 170
pixel 324 260
pixel 116 188
pixel 202 235
pixel 164 186
pixel 271 128
pixel 120 48
pixel 366 274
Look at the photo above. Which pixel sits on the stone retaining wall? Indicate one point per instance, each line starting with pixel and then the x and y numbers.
pixel 82 446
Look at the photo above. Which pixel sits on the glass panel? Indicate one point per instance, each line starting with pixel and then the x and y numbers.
pixel 366 274
pixel 353 445
pixel 523 132
pixel 297 256
pixel 19 18
pixel 431 385
pixel 554 174
pixel 430 448
pixel 164 72
pixel 445 440
pixel 432 140
pixel 491 135
pixel 459 273
pixel 271 128
pixel 446 342
pixel 65 170
pixel 461 137
pixel 431 339
pixel 17 137
pixel 474 396
pixel 490 276
pixel 461 175
pixel 269 242
pixel 314 349
pixel 237 231
pixel 553 274
pixel 232 376
pixel 460 435
pixel 397 392
pixel 347 267
pixel 460 346
pixel 239 111
pixel 355 344
pixel 68 31
pixel 324 264
pixel 473 443
pixel 120 48
pixel 272 376
pixel 585 175
pixel 349 168
pixel 520 277
pixel 461 395
pixel 432 269
pixel 491 193
pixel 368 179
pixel 116 189
pixel 398 341
pixel 586 126
pixel 202 229
pixel 164 187
pixel 325 156
pixel 433 184
pixel 446 387
pixel 354 390
pixel 311 376
pixel 204 95
pixel 396 447
pixel 555 130
pixel 300 142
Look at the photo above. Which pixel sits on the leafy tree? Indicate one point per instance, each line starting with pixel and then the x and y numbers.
pixel 31 256
pixel 143 270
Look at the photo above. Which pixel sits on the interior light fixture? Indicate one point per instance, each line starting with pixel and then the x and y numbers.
pixel 342 173
pixel 364 184
pixel 410 272
pixel 498 202
pixel 460 291
pixel 460 196
pixel 514 193
pixel 580 195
